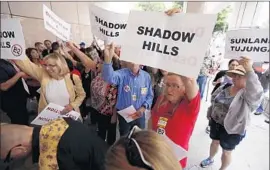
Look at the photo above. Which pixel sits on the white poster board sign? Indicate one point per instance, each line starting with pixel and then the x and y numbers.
pixel 56 25
pixel 52 112
pixel 12 39
pixel 253 43
pixel 175 43
pixel 107 25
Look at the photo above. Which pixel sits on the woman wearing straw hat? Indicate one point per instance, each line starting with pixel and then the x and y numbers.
pixel 230 110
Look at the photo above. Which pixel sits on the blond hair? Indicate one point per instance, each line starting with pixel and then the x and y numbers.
pixel 155 150
pixel 60 62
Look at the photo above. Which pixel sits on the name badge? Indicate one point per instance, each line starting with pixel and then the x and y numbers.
pixel 134 97
pixel 127 88
pixel 161 131
pixel 143 91
pixel 162 122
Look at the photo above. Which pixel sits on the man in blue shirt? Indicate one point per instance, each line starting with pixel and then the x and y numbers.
pixel 134 88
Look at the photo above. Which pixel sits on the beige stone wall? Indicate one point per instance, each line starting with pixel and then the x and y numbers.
pixel 31 16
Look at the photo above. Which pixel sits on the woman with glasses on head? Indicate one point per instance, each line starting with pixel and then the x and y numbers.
pixel 229 113
pixel 58 86
pixel 141 150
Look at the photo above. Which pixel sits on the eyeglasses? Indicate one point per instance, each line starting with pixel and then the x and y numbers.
pixel 236 76
pixel 173 86
pixel 134 153
pixel 49 65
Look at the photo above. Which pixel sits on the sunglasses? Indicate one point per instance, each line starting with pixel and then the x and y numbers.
pixel 134 153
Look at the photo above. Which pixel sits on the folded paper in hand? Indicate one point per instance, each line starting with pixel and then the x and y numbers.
pixel 52 112
pixel 129 114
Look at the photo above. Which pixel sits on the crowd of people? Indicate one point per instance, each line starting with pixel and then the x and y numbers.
pixel 97 84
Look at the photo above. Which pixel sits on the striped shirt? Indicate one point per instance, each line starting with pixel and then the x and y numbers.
pixel 133 89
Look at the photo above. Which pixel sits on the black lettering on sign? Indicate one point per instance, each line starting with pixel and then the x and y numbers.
pixel 157 33
pixel 250 41
pixel 5 44
pixel 7 34
pixel 174 51
pixel 140 30
pixel 152 46
pixel 16 50
pixel 109 24
pixel 108 33
pixel 166 34
pixel 176 35
pixel 250 48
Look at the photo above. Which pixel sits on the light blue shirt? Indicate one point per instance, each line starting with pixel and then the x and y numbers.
pixel 133 89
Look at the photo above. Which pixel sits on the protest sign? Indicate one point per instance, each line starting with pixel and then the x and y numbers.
pixel 56 25
pixel 253 43
pixel 12 39
pixel 107 25
pixel 52 112
pixel 175 43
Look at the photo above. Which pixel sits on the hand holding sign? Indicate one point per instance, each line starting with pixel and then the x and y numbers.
pixel 170 12
pixel 67 109
pixel 109 53
pixel 71 45
pixel 246 63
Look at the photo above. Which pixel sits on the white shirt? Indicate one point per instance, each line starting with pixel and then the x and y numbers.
pixel 57 93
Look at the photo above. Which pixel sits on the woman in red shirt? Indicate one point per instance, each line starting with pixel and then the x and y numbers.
pixel 176 111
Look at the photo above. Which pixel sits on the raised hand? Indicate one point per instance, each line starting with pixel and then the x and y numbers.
pixel 70 45
pixel 247 63
pixel 108 53
pixel 172 11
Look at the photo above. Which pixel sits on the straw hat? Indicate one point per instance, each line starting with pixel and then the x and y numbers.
pixel 240 70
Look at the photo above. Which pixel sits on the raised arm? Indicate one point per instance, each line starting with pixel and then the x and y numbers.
pixel 191 87
pixel 7 84
pixel 253 91
pixel 30 68
pixel 87 62
pixel 67 55
pixel 108 74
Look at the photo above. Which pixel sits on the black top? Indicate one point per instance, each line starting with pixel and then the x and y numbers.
pixel 86 82
pixel 14 96
pixel 46 52
pixel 218 76
pixel 79 148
